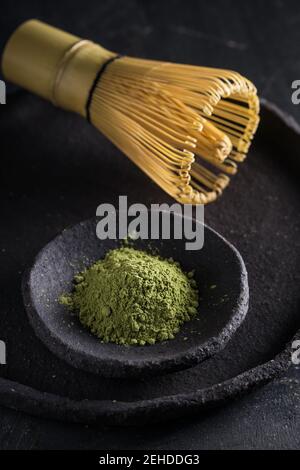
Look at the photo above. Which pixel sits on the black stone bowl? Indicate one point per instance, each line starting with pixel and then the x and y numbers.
pixel 221 278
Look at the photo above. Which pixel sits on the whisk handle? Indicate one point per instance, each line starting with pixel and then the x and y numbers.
pixel 53 64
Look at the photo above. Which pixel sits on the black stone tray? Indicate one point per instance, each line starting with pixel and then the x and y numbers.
pixel 56 169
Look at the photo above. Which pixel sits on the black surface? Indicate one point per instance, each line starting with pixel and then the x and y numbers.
pixel 255 38
pixel 221 311
pixel 259 339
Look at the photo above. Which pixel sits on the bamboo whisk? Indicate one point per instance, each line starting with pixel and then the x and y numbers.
pixel 186 127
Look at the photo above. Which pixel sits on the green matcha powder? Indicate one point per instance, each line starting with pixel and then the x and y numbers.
pixel 134 298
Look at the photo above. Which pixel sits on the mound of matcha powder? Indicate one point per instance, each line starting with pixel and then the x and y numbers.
pixel 134 298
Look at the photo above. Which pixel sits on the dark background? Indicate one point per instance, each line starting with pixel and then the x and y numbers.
pixel 259 39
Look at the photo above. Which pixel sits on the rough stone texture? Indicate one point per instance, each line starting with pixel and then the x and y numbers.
pixel 60 182
pixel 246 36
pixel 221 311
